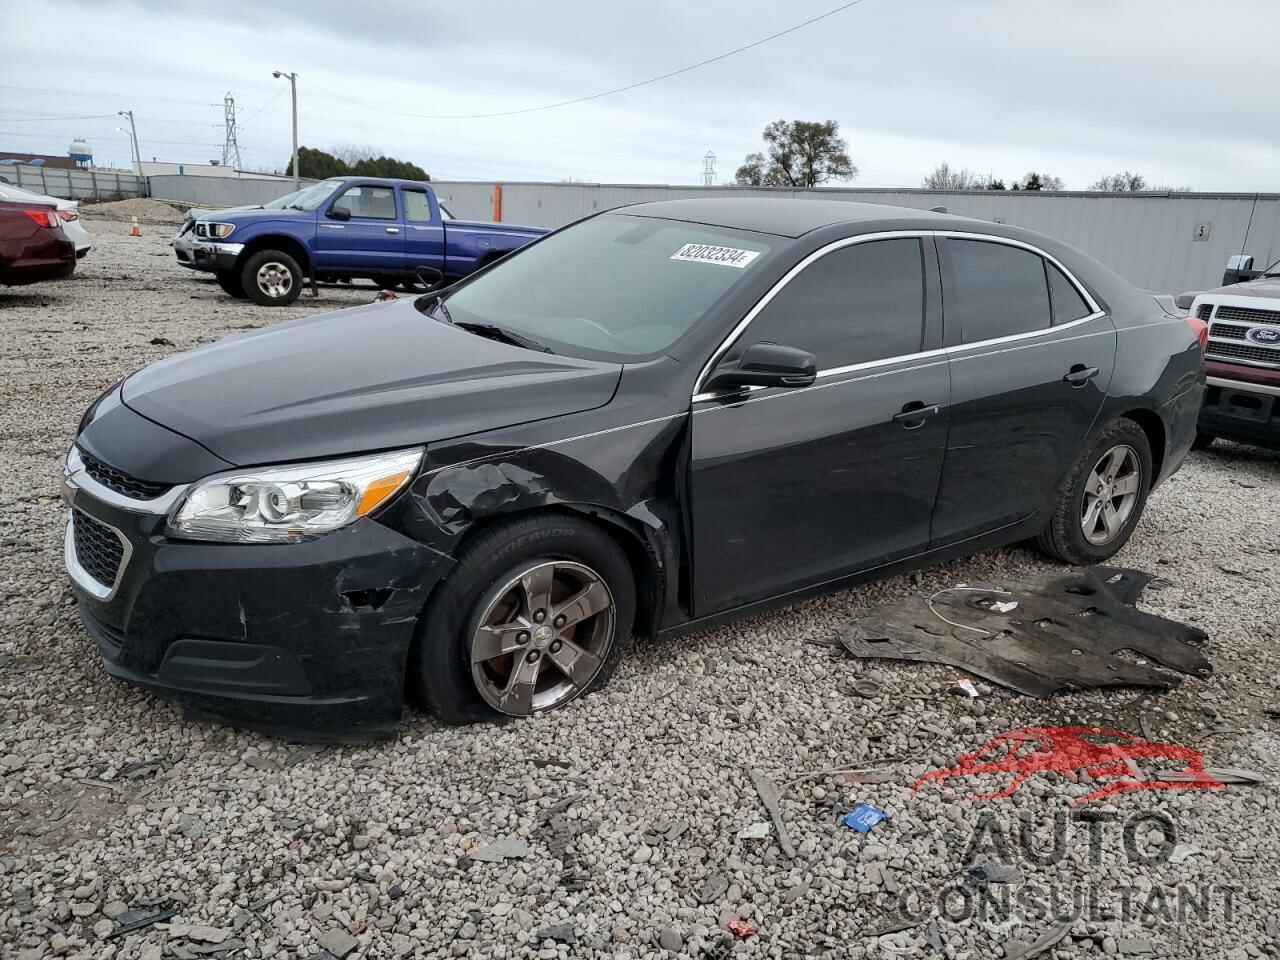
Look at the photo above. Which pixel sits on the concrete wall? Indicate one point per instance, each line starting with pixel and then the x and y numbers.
pixel 77 184
pixel 1149 238
pixel 219 192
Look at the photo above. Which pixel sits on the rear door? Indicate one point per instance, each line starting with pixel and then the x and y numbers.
pixel 424 237
pixel 791 487
pixel 371 241
pixel 1030 361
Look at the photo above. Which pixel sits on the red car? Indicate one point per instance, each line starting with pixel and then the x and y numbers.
pixel 33 246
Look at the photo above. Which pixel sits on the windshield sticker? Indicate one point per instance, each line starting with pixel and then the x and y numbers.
pixel 709 253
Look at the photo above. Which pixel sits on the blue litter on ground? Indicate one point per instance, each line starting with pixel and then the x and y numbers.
pixel 863 817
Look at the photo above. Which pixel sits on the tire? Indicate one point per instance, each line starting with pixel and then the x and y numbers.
pixel 1064 537
pixel 229 281
pixel 1203 441
pixel 271 278
pixel 441 671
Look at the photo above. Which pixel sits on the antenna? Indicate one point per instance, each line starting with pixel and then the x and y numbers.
pixel 230 148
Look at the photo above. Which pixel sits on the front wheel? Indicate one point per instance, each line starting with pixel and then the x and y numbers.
pixel 271 278
pixel 535 614
pixel 1102 498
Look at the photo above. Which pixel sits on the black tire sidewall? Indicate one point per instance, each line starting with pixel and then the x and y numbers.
pixel 249 272
pixel 1121 432
pixel 440 666
pixel 229 281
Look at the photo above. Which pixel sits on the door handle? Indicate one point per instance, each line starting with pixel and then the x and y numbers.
pixel 393 229
pixel 333 226
pixel 1079 375
pixel 913 415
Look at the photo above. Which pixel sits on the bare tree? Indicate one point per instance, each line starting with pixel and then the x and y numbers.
pixel 1039 181
pixel 942 177
pixel 801 153
pixel 1120 183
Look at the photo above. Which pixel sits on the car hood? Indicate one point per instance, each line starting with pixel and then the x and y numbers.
pixel 201 213
pixel 367 378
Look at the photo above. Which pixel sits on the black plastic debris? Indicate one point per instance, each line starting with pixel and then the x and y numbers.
pixel 1058 634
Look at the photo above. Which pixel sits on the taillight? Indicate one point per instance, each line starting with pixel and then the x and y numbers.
pixel 67 216
pixel 46 218
pixel 1201 331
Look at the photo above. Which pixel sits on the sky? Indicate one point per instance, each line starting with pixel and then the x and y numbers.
pixel 1184 92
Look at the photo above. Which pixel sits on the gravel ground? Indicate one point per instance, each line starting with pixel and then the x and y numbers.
pixel 611 827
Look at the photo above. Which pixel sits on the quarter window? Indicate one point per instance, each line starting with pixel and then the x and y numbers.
pixel 994 290
pixel 416 207
pixel 859 303
pixel 371 203
pixel 1068 305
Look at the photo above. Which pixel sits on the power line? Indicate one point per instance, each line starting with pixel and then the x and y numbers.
pixel 95 116
pixel 640 83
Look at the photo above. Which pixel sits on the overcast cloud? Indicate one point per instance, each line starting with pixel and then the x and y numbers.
pixel 1184 92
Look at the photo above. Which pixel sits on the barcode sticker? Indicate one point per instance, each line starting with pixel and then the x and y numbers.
pixel 709 253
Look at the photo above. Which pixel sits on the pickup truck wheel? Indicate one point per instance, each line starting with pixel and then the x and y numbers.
pixel 536 613
pixel 229 281
pixel 272 278
pixel 1103 496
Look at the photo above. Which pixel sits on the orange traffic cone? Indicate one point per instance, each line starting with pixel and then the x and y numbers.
pixel 135 232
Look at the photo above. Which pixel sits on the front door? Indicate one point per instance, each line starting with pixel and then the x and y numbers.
pixel 1030 361
pixel 792 487
pixel 370 241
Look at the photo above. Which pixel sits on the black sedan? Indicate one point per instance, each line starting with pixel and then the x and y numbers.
pixel 653 420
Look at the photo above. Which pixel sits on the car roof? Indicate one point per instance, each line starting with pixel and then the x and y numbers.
pixel 791 216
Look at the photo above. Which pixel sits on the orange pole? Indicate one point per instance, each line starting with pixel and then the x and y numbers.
pixel 497 203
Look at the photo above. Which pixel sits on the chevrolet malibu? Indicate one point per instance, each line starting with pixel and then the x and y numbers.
pixel 651 421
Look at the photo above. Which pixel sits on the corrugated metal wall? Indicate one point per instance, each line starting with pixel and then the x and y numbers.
pixel 1149 238
pixel 218 191
pixel 73 184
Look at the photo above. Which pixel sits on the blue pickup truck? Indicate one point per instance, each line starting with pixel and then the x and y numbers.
pixel 394 232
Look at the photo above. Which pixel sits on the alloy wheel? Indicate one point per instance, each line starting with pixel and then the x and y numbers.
pixel 543 637
pixel 275 280
pixel 1110 494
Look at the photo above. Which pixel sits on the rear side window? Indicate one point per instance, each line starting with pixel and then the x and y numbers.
pixel 1068 305
pixel 373 203
pixel 859 303
pixel 994 290
pixel 415 206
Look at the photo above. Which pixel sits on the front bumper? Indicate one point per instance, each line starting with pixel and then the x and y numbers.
pixel 307 639
pixel 208 255
pixel 1236 408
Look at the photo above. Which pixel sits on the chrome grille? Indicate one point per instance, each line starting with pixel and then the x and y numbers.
pixel 1227 331
pixel 1241 351
pixel 98 549
pixel 121 482
pixel 1249 315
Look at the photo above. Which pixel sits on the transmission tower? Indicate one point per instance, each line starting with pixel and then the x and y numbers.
pixel 709 168
pixel 230 148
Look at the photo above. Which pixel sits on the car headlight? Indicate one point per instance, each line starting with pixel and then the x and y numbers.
pixel 219 231
pixel 290 503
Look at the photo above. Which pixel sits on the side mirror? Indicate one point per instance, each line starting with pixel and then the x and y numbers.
pixel 1183 301
pixel 338 213
pixel 768 365
pixel 1239 270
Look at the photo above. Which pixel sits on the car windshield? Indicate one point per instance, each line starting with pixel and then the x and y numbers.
pixel 280 203
pixel 311 197
pixel 612 287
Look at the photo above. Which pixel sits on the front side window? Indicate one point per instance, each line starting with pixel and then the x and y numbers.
pixel 993 290
pixel 856 304
pixel 416 208
pixel 371 203
pixel 612 287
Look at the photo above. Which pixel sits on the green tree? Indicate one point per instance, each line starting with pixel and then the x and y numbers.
pixel 799 153
pixel 1039 181
pixel 321 164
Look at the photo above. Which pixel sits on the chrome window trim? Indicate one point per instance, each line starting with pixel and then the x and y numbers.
pixel 82 577
pixel 741 326
pixel 76 477
pixel 806 391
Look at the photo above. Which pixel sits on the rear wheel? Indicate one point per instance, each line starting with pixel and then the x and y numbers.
pixel 1102 497
pixel 536 613
pixel 271 278
pixel 1203 441
pixel 229 281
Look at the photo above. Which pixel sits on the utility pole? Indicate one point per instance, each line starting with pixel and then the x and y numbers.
pixel 293 89
pixel 708 169
pixel 230 148
pixel 133 135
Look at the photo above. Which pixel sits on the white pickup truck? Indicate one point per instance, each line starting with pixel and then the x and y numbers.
pixel 1242 358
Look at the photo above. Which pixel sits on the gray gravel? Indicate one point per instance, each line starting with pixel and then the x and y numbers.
pixel 612 827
